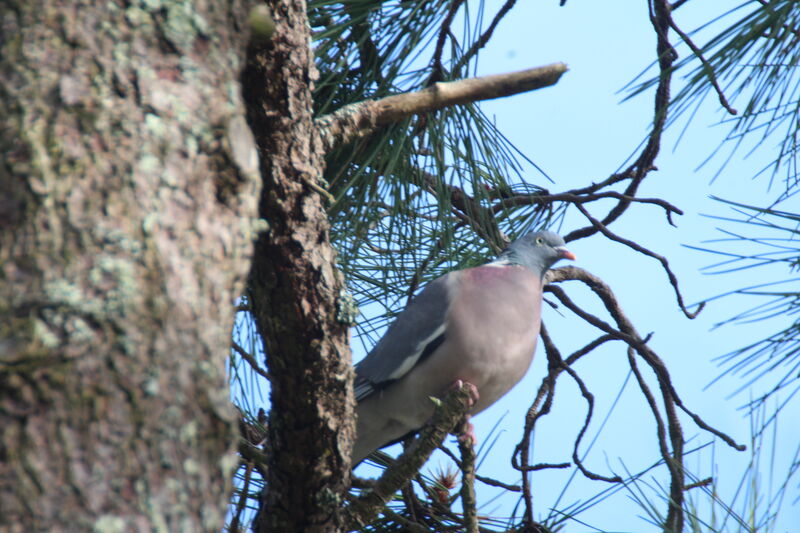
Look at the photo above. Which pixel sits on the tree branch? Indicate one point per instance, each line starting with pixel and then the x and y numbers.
pixel 484 38
pixel 589 397
pixel 468 209
pixel 448 413
pixel 436 63
pixel 573 197
pixel 708 70
pixel 671 401
pixel 241 502
pixel 483 479
pixel 361 119
pixel 468 480
pixel 673 280
pixel 660 19
pixel 250 360
pixel 295 290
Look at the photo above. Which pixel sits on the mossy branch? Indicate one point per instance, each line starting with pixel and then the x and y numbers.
pixel 448 413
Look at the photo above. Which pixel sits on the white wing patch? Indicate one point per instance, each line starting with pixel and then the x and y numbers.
pixel 412 359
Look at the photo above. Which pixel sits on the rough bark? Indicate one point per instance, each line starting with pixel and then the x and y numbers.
pixel 295 290
pixel 129 183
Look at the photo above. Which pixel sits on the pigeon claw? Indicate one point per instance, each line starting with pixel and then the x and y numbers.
pixel 472 389
pixel 467 435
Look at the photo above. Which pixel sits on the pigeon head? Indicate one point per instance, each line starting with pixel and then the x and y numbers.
pixel 537 250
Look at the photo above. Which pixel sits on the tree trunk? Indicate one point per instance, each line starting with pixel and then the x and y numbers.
pixel 296 290
pixel 129 186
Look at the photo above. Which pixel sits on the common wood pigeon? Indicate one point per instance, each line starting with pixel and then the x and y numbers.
pixel 477 325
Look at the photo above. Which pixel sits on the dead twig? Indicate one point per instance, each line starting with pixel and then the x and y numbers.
pixel 669 430
pixel 673 280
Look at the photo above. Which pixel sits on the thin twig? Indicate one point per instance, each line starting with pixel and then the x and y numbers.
pixel 702 483
pixel 483 479
pixel 468 501
pixel 673 280
pixel 589 397
pixel 674 462
pixel 436 63
pixel 669 428
pixel 707 68
pixel 250 360
pixel 484 38
pixel 582 198
pixel 233 526
pixel 520 457
pixel 645 163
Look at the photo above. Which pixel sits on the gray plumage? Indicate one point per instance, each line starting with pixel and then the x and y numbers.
pixel 478 325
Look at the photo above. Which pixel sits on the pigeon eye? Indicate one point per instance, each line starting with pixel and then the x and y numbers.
pixel 539 241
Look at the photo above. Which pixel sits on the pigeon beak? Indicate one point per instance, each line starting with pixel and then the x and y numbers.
pixel 563 253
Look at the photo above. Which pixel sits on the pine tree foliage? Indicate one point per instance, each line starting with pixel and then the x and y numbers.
pixel 755 239
pixel 396 219
pixel 750 67
pixel 446 190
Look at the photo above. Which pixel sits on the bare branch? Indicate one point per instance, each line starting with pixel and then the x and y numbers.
pixel 520 457
pixel 659 17
pixel 468 479
pixel 590 400
pixel 675 471
pixel 250 360
pixel 444 31
pixel 483 479
pixel 581 198
pixel 708 70
pixel 669 428
pixel 702 483
pixel 241 503
pixel 361 119
pixel 673 280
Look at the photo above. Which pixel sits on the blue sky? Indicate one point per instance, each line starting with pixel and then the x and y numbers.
pixel 580 131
